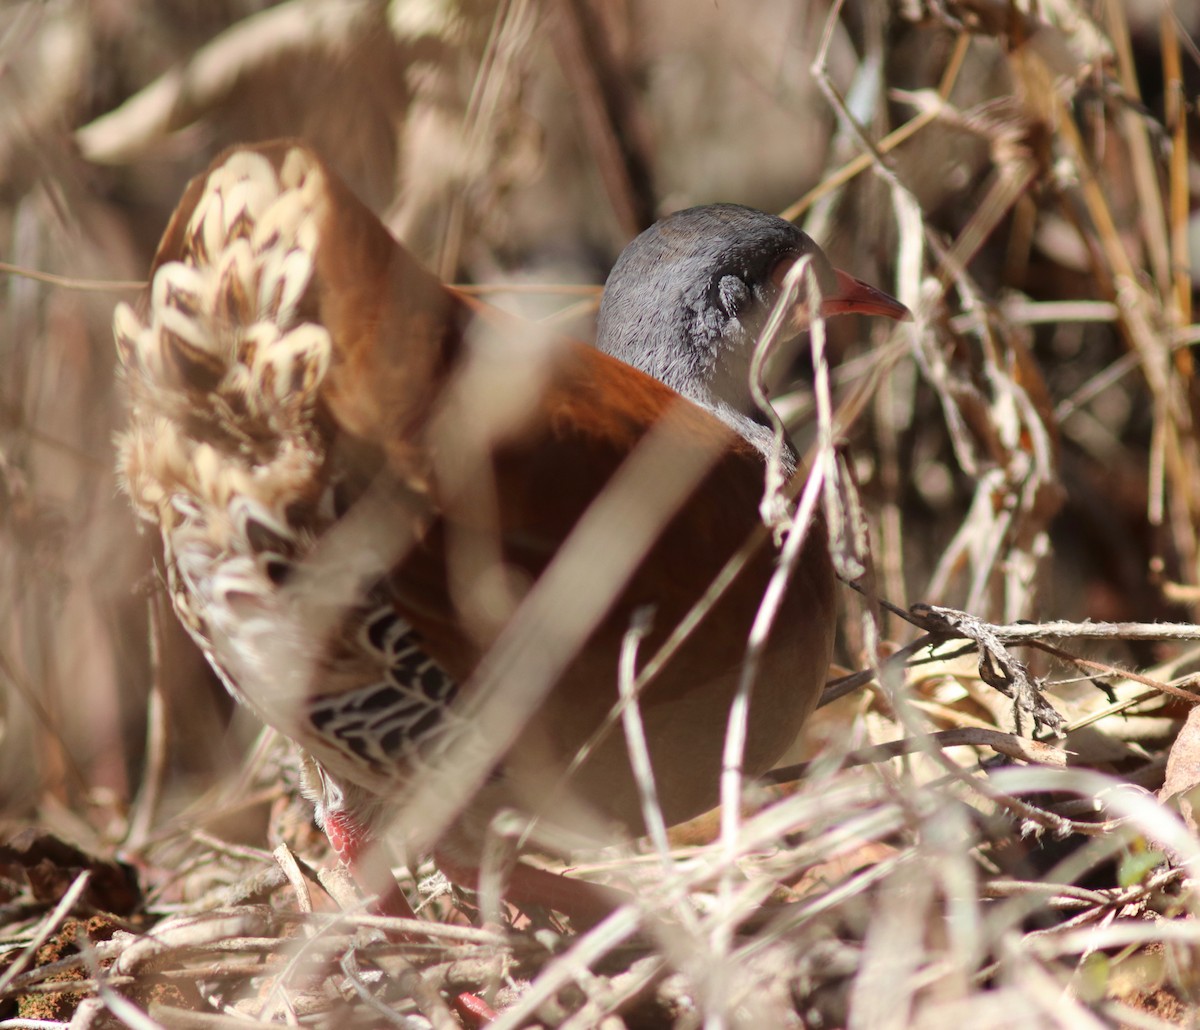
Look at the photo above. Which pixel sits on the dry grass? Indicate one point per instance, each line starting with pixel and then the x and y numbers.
pixel 1025 450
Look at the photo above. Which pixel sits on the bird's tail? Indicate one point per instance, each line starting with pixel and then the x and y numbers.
pixel 225 359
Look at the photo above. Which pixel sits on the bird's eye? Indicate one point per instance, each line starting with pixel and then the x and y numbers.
pixel 731 295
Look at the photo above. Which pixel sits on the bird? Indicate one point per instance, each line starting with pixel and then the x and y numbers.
pixel 425 540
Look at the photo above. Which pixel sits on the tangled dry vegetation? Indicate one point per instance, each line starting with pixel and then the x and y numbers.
pixel 1020 464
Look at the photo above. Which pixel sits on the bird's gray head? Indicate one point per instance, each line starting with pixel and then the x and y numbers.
pixel 687 299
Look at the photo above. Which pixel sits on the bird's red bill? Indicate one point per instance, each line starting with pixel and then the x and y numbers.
pixel 853 296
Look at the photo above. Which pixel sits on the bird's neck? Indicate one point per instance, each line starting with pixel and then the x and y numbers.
pixel 757 432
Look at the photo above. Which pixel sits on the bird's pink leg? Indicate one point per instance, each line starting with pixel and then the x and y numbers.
pixel 365 859
pixel 362 855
